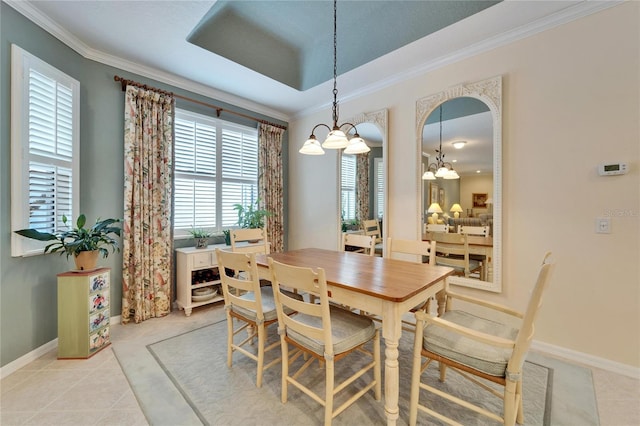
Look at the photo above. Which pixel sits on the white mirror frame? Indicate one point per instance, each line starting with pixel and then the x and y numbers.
pixel 379 119
pixel 490 92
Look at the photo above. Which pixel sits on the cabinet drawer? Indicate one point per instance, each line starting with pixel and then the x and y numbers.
pixel 98 301
pixel 98 339
pixel 201 260
pixel 99 282
pixel 97 320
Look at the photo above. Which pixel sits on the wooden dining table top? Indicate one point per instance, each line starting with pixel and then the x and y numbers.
pixel 389 279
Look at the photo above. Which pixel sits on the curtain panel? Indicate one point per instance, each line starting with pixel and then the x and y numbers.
pixel 362 187
pixel 148 181
pixel 270 182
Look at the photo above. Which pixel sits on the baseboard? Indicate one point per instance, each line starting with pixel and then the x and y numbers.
pixel 14 366
pixel 586 359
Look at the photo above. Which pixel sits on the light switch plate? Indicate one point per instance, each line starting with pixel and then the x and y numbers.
pixel 603 225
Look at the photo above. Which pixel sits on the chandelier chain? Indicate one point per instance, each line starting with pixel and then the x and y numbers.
pixel 335 63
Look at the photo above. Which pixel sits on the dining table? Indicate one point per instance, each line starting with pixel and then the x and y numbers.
pixel 381 286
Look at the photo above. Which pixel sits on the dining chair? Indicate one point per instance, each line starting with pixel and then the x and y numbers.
pixel 254 308
pixel 324 332
pixel 421 250
pixel 481 349
pixel 363 243
pixel 453 250
pixel 437 227
pixel 372 227
pixel 256 239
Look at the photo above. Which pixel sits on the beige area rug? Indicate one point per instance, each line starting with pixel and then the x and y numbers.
pixel 556 393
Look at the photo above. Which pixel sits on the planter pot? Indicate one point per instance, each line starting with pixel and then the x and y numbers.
pixel 201 243
pixel 227 239
pixel 86 260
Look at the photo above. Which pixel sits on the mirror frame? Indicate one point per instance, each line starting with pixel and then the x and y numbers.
pixel 380 119
pixel 488 91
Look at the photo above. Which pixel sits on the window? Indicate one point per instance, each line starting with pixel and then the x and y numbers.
pixel 44 148
pixel 216 166
pixel 378 178
pixel 348 190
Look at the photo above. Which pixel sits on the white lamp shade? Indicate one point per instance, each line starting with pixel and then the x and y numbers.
pixel 442 171
pixel 311 147
pixel 456 208
pixel 336 139
pixel 428 176
pixel 451 174
pixel 434 208
pixel 357 146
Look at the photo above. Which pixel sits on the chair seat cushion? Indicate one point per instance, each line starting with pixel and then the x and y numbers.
pixel 348 330
pixel 268 305
pixel 483 357
pixel 473 264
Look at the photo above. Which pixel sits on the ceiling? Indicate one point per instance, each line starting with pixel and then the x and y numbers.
pixel 150 38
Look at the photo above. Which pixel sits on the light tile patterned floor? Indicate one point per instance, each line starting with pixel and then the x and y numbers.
pixel 95 391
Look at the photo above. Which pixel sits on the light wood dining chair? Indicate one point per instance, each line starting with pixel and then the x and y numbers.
pixel 255 309
pixel 453 250
pixel 364 243
pixel 323 331
pixel 481 349
pixel 256 239
pixel 372 227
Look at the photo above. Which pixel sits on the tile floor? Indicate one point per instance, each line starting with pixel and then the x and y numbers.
pixel 49 391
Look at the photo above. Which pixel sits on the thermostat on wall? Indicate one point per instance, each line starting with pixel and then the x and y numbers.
pixel 609 169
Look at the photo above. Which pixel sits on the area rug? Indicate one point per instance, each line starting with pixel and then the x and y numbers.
pixel 196 363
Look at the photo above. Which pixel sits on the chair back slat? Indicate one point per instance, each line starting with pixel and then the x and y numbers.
pixel 432 227
pixel 474 230
pixel 415 247
pixel 372 227
pixel 255 237
pixel 365 243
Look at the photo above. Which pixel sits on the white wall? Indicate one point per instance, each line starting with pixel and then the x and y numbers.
pixel 570 101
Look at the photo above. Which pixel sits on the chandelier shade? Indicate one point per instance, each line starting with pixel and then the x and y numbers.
pixel 337 138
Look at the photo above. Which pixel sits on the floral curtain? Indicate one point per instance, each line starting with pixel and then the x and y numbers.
pixel 362 187
pixel 147 240
pixel 270 182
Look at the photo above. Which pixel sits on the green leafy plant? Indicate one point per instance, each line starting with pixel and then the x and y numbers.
pixel 76 240
pixel 227 236
pixel 199 233
pixel 251 216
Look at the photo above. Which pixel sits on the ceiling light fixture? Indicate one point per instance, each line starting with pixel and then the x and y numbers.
pixel 440 169
pixel 459 144
pixel 337 139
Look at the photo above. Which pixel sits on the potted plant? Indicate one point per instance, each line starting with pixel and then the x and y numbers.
pixel 227 236
pixel 251 216
pixel 85 244
pixel 200 236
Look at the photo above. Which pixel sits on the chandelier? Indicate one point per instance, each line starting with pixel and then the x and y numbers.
pixel 440 169
pixel 337 139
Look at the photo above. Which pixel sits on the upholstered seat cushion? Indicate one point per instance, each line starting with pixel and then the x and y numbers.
pixel 473 264
pixel 466 351
pixel 268 305
pixel 348 330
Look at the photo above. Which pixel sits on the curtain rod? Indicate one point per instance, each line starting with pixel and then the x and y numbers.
pixel 124 82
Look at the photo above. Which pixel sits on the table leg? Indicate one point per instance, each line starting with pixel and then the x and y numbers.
pixel 391 332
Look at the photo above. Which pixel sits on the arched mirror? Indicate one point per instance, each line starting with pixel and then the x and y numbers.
pixel 362 182
pixel 460 129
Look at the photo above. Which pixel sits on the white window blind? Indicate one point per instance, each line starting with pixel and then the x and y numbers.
pixel 44 148
pixel 378 187
pixel 348 189
pixel 216 166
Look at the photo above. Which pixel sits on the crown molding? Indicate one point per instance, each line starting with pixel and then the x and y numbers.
pixel 26 9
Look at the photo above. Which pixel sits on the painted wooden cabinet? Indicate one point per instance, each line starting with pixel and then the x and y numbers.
pixel 196 274
pixel 83 313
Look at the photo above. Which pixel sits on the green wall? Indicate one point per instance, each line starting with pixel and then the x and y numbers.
pixel 28 305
